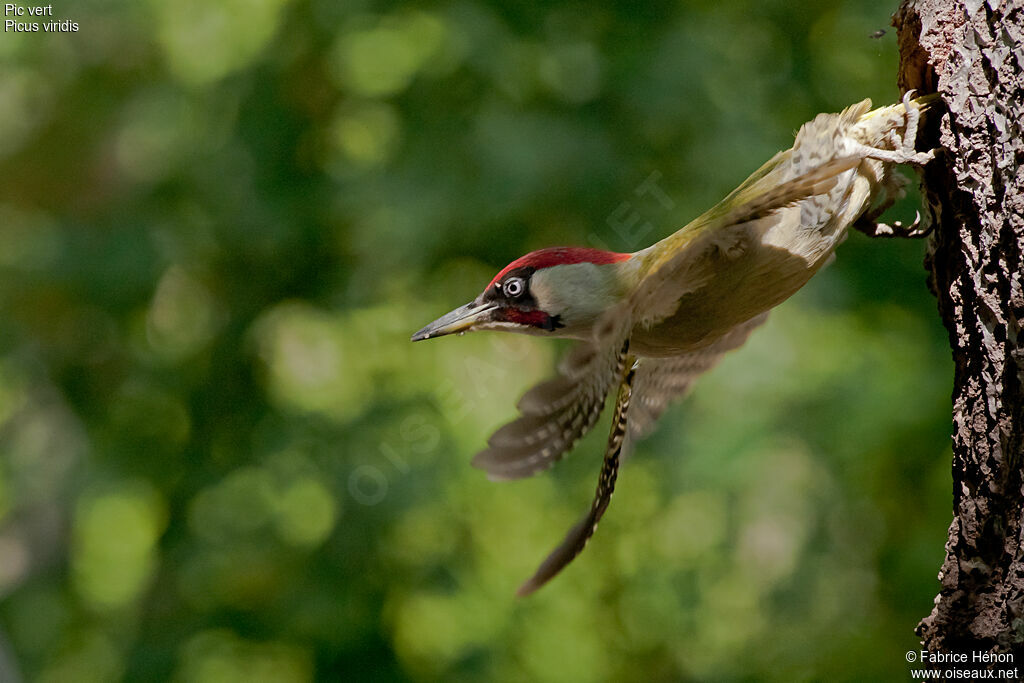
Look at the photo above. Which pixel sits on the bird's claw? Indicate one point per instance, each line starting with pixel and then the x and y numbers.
pixel 873 228
pixel 905 151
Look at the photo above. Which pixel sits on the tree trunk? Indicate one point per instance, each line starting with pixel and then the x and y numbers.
pixel 970 52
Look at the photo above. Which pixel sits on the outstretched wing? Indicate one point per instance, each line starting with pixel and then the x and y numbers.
pixel 817 173
pixel 659 381
pixel 688 260
pixel 578 536
pixel 555 413
pixel 646 388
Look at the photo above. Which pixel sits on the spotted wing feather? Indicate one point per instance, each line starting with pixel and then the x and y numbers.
pixel 555 414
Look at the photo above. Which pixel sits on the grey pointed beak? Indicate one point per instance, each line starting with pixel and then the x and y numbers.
pixel 462 319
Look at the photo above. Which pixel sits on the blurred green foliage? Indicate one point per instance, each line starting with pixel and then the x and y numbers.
pixel 222 460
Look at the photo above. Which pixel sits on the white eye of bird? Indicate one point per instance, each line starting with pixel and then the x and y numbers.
pixel 513 287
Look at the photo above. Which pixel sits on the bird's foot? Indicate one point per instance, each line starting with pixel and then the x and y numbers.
pixel 872 228
pixel 905 151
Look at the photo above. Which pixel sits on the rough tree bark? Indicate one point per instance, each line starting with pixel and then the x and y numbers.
pixel 970 52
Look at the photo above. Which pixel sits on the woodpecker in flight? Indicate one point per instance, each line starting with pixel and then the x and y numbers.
pixel 648 323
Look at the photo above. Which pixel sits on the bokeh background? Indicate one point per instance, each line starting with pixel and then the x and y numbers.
pixel 222 460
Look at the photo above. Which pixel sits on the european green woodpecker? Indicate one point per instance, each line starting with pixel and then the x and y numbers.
pixel 648 323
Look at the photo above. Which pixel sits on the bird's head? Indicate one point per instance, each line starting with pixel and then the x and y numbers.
pixel 559 291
